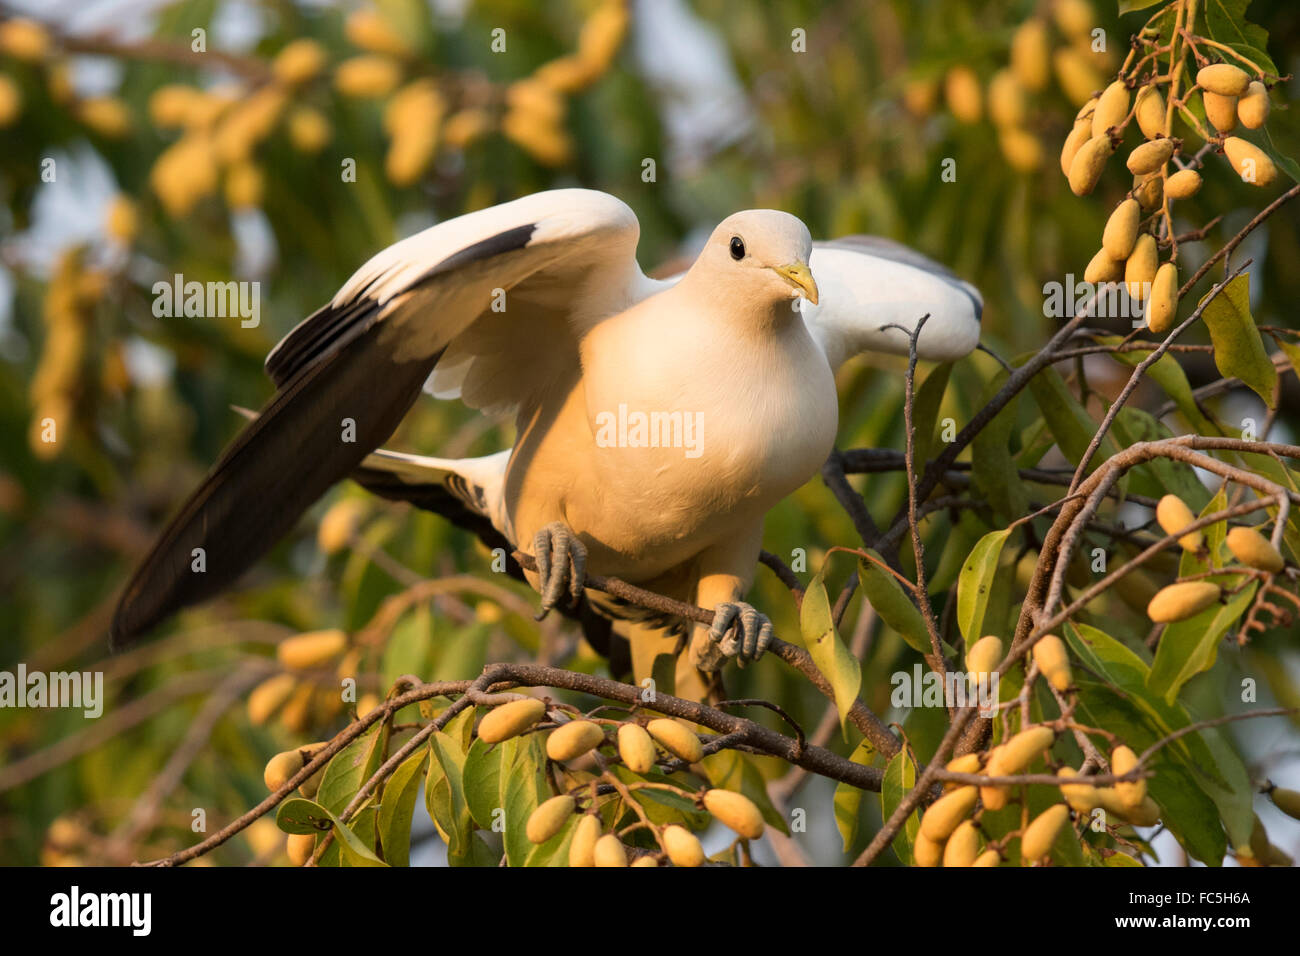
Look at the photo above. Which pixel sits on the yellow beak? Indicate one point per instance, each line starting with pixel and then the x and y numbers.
pixel 800 277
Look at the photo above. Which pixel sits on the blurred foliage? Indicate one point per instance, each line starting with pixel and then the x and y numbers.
pixel 208 148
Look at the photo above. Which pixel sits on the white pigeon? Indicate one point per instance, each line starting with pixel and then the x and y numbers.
pixel 657 420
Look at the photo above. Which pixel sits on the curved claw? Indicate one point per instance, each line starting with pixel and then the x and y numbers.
pixel 561 566
pixel 740 631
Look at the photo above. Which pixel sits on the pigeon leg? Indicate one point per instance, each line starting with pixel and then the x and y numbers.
pixel 561 566
pixel 740 631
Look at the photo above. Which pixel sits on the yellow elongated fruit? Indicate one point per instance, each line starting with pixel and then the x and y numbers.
pixel 1149 112
pixel 582 848
pixel 995 797
pixel 1053 661
pixel 122 221
pixel 11 101
pixel 574 739
pixel 926 852
pixel 300 847
pixel 367 76
pixel 1288 801
pixel 1223 78
pixel 1074 17
pixel 368 30
pixel 1177 602
pixel 296 713
pixel 1149 190
pixel 268 696
pixel 682 846
pixel 1251 163
pixel 1183 184
pixel 1037 840
pixel 1022 149
pixel 947 812
pixel 313 649
pixel 1163 307
pixel 1131 793
pixel 1220 110
pixel 1111 108
pixel 281 768
pixel 961 89
pixel 1021 750
pixel 24 39
pixel 678 739
pixel 1102 268
pixel 1254 550
pixel 309 132
pixel 966 763
pixel 1173 515
pixel 963 845
pixel 1076 74
pixel 1145 814
pixel 245 184
pixel 1088 163
pixel 1007 104
pixel 636 748
pixel 988 858
pixel 1030 54
pixel 298 62
pixel 1253 106
pixel 549 818
pixel 736 811
pixel 646 859
pixel 1149 157
pixel 309 786
pixel 609 851
pixel 510 720
pixel 1121 230
pixel 339 524
pixel 983 656
pixel 1080 134
pixel 1082 797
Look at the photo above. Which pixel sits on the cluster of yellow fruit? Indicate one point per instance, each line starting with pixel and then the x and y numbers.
pixel 1130 244
pixel 535 106
pixel 302 703
pixel 950 834
pixel 282 768
pixel 59 378
pixel 29 42
pixel 1185 599
pixel 1058 42
pixel 636 745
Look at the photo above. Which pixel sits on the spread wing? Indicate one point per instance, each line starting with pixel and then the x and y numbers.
pixel 495 302
pixel 873 291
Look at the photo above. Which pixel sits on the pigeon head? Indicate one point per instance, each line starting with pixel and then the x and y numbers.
pixel 764 249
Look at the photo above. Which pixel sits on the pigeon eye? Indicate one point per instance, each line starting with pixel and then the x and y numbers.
pixel 737 248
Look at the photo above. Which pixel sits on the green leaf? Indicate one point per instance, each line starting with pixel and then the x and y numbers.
pixel 1226 23
pixel 300 815
pixel 350 768
pixel 925 412
pixel 1070 424
pixel 483 782
pixel 1189 647
pixel 400 793
pixel 832 658
pixel 900 779
pixel 522 789
pixel 993 470
pixel 890 601
pixel 1292 351
pixel 975 582
pixel 1238 348
pixel 1169 375
pixel 848 798
pixel 444 791
pixel 1131 6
